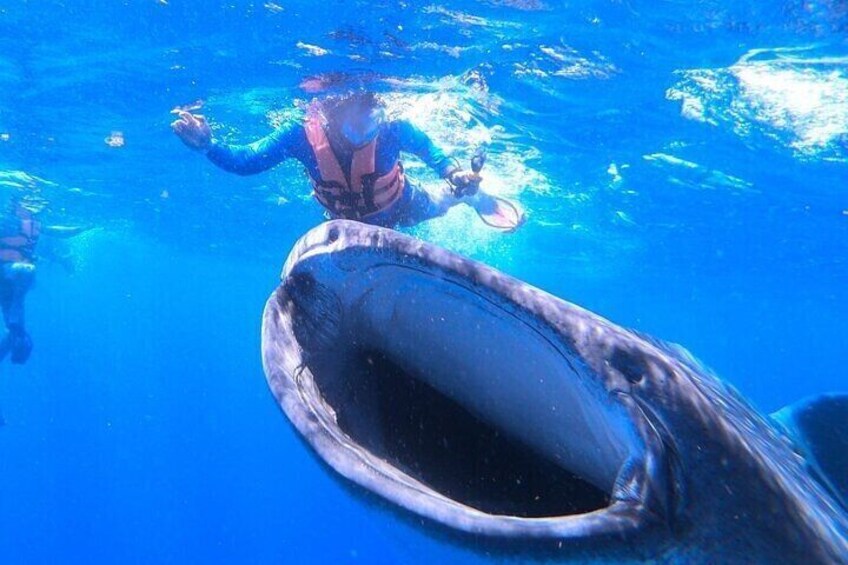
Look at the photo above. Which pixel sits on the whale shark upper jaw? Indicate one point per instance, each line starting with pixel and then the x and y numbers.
pixel 453 391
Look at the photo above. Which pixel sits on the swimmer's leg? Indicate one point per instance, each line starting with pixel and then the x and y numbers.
pixel 5 345
pixel 420 205
pixel 17 280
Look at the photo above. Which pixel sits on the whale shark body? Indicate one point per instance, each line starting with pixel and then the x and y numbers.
pixel 503 418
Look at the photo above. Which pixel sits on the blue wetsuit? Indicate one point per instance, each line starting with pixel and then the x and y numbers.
pixel 17 273
pixel 290 141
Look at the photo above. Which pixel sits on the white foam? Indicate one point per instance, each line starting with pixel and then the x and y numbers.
pixel 792 96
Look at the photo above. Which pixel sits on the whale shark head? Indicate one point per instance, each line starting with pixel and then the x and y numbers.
pixel 496 410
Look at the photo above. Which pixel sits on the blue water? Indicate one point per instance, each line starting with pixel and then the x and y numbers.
pixel 683 165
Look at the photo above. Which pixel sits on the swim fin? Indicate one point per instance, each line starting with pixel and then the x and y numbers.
pixel 497 212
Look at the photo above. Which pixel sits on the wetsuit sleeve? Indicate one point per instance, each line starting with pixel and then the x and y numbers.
pixel 415 141
pixel 255 157
pixel 63 232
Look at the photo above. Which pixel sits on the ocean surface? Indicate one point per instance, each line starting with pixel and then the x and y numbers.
pixel 683 164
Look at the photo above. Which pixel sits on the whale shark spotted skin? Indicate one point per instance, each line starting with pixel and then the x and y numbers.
pixel 516 422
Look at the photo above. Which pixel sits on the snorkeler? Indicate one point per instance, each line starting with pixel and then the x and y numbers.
pixel 19 233
pixel 351 152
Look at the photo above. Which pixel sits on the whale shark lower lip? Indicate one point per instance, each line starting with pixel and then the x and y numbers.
pixel 494 409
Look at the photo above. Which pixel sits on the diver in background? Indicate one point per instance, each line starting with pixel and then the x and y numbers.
pixel 19 233
pixel 351 152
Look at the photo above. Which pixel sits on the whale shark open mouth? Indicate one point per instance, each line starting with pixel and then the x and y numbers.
pixel 393 413
pixel 446 388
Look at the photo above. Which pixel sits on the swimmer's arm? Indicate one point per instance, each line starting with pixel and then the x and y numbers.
pixel 415 141
pixel 64 232
pixel 255 157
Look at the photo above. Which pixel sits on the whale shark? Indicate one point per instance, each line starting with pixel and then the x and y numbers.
pixel 499 417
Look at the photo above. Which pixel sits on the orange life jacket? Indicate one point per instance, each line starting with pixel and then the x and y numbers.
pixel 20 247
pixel 361 196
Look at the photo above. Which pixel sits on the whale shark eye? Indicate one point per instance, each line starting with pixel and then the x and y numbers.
pixel 632 367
